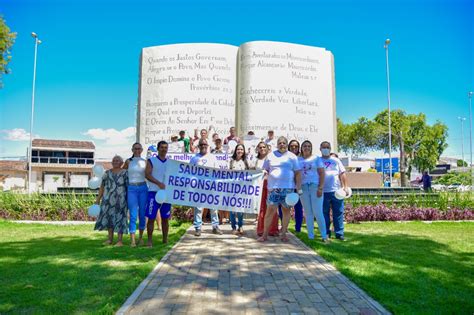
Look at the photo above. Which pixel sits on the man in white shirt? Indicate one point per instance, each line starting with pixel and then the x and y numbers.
pixel 155 174
pixel 203 158
pixel 271 141
pixel 176 146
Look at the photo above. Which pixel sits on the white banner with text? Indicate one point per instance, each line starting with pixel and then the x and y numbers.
pixel 213 188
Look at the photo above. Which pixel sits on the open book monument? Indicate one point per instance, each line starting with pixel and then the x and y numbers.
pixel 257 87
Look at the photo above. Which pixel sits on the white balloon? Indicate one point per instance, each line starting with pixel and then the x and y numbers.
pixel 98 170
pixel 94 182
pixel 340 194
pixel 349 192
pixel 93 210
pixel 292 199
pixel 160 196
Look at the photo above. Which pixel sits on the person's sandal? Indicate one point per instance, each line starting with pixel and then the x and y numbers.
pixel 262 239
pixel 285 239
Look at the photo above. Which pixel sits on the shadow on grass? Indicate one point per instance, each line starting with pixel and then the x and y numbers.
pixel 70 274
pixel 407 274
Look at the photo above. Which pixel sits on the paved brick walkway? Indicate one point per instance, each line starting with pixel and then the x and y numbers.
pixel 237 275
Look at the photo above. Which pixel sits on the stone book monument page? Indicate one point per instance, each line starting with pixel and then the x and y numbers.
pixel 257 87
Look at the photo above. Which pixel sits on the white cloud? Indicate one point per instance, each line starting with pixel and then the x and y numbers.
pixel 110 142
pixel 105 152
pixel 112 136
pixel 16 134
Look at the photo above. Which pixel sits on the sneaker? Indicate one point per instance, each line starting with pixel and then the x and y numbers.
pixel 217 231
pixel 340 237
pixel 325 240
pixel 197 233
pixel 241 231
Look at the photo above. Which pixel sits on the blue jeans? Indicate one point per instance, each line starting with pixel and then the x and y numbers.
pixel 313 208
pixel 240 217
pixel 330 201
pixel 137 198
pixel 198 218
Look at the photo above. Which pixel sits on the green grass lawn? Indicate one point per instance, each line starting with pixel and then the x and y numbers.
pixel 410 268
pixel 66 269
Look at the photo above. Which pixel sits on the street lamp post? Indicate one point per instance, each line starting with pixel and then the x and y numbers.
pixel 387 42
pixel 470 138
pixel 37 42
pixel 462 119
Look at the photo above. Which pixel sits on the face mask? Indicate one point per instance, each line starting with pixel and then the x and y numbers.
pixel 325 152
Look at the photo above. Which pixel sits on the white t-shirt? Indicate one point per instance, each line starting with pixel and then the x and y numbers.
pixel 176 147
pixel 281 169
pixel 309 169
pixel 272 143
pixel 158 172
pixel 208 160
pixel 332 168
pixel 237 165
pixel 259 163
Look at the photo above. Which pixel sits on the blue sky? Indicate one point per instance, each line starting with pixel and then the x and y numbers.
pixel 87 75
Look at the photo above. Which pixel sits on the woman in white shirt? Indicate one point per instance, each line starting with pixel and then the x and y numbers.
pixel 335 178
pixel 312 184
pixel 283 177
pixel 137 192
pixel 238 162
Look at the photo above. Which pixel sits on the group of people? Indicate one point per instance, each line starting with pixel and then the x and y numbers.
pixel 184 144
pixel 289 168
pixel 132 185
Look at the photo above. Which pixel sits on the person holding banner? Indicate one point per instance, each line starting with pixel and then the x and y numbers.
pixel 294 147
pixel 335 177
pixel 312 178
pixel 238 162
pixel 262 153
pixel 283 177
pixel 137 193
pixel 155 174
pixel 204 158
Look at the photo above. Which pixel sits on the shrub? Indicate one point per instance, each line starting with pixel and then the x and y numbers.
pixel 382 212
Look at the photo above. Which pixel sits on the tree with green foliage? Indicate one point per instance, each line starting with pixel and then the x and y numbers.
pixel 455 178
pixel 7 39
pixel 420 145
pixel 461 163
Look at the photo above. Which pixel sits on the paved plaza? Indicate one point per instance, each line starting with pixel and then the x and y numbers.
pixel 227 274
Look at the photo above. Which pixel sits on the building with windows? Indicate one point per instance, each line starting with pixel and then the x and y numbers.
pixel 61 163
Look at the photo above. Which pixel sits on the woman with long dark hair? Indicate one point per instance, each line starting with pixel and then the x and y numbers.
pixel 238 162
